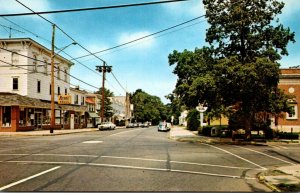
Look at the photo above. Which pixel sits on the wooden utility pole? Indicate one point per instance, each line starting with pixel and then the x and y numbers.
pixel 103 69
pixel 103 93
pixel 52 124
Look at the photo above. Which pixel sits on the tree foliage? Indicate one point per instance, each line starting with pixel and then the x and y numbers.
pixel 108 111
pixel 239 73
pixel 147 107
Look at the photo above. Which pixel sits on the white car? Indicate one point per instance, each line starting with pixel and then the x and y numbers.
pixel 106 125
pixel 163 126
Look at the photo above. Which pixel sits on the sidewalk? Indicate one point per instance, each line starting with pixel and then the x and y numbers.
pixel 47 132
pixel 286 178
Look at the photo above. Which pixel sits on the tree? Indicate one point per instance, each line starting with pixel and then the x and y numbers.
pixel 108 110
pixel 249 45
pixel 147 107
pixel 239 76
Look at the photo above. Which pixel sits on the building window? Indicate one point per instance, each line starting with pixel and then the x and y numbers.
pixel 294 114
pixel 82 100
pixel 58 90
pixel 6 116
pixel 39 86
pixel 50 89
pixel 15 83
pixel 58 73
pixel 45 67
pixel 66 91
pixel 76 99
pixel 66 75
pixel 34 63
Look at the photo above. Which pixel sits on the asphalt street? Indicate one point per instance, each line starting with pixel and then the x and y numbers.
pixel 138 159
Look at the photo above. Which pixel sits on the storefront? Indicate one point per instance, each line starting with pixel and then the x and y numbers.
pixel 21 113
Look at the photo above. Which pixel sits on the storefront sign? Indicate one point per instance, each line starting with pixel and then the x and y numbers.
pixel 64 99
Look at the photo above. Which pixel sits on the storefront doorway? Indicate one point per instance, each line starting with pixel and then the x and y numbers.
pixel 38 119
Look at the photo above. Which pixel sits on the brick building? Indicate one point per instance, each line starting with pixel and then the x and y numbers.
pixel 290 83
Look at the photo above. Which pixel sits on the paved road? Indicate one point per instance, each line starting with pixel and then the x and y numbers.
pixel 139 159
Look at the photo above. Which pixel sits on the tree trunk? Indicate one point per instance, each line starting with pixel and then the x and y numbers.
pixel 247 125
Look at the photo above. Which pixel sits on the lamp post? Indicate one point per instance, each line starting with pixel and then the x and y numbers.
pixel 52 124
pixel 201 108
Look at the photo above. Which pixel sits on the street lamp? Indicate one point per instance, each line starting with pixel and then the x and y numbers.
pixel 52 124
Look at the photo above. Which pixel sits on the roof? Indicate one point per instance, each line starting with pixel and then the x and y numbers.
pixel 12 99
pixel 38 45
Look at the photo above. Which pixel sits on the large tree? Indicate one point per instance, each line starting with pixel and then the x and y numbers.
pixel 249 42
pixel 239 73
pixel 147 107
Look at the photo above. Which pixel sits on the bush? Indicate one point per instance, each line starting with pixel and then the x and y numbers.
pixel 206 130
pixel 285 135
pixel 192 120
pixel 269 134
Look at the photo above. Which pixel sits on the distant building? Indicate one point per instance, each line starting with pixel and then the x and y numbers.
pixel 290 84
pixel 25 93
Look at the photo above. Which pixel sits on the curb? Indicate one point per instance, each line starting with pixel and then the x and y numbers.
pixel 45 134
pixel 262 179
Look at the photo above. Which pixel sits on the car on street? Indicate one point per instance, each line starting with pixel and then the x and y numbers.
pixel 106 125
pixel 130 125
pixel 144 124
pixel 164 126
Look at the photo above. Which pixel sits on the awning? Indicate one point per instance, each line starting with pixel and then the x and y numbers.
pixel 93 115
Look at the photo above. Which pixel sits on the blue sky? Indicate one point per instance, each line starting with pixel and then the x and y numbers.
pixel 143 64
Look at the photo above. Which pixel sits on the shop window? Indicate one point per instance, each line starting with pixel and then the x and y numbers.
pixel 22 121
pixel 46 116
pixel 15 83
pixel 6 116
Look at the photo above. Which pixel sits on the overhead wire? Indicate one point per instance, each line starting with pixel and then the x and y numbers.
pixel 91 8
pixel 32 71
pixel 47 64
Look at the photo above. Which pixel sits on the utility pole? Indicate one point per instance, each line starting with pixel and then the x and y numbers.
pixel 103 69
pixel 52 125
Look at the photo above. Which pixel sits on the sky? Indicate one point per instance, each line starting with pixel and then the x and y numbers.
pixel 140 65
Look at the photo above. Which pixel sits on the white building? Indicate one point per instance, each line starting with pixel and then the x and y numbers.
pixel 25 91
pixel 29 75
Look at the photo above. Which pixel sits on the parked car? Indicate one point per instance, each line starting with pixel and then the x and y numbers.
pixel 144 125
pixel 164 126
pixel 135 125
pixel 130 125
pixel 106 125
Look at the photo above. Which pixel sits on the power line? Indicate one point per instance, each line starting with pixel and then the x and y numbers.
pixel 68 37
pixel 118 82
pixel 91 8
pixel 147 36
pixel 43 65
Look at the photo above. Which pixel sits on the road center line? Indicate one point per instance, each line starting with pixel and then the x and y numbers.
pixel 130 167
pixel 235 155
pixel 267 155
pixel 29 178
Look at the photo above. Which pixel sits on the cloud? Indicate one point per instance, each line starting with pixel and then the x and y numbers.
pixel 291 6
pixel 191 8
pixel 142 44
pixel 15 7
